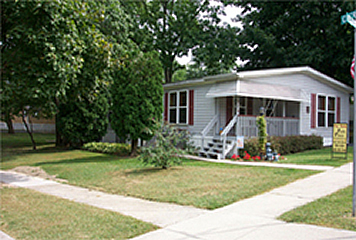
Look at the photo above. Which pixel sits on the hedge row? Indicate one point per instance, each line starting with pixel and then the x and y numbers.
pixel 286 145
pixel 121 149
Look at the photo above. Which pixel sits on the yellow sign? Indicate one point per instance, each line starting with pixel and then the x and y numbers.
pixel 340 138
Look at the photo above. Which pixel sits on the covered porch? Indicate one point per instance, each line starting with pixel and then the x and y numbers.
pixel 237 104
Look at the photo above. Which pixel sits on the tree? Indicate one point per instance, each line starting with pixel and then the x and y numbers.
pixel 137 94
pixel 58 51
pixel 293 33
pixel 173 27
pixel 218 49
pixel 84 120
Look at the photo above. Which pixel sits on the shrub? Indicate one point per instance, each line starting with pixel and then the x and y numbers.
pixel 251 146
pixel 286 145
pixel 121 149
pixel 166 147
pixel 262 133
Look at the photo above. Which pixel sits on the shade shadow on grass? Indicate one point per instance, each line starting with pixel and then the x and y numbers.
pixel 93 159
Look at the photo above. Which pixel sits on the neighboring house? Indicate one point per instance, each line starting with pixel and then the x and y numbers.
pixel 37 125
pixel 296 101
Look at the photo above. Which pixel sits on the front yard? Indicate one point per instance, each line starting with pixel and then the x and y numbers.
pixel 199 184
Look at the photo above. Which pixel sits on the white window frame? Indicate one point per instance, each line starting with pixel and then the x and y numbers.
pixel 326 111
pixel 177 107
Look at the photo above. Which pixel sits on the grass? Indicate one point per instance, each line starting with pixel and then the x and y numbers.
pixel 319 157
pixel 27 214
pixel 333 211
pixel 199 184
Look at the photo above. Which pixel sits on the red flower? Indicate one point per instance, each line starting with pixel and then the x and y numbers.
pixel 247 156
pixel 234 157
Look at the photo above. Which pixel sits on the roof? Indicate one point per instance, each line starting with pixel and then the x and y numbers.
pixel 245 75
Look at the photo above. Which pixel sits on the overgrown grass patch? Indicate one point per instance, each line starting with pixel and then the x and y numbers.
pixel 333 211
pixel 318 157
pixel 27 214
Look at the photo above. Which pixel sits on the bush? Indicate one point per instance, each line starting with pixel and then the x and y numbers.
pixel 121 149
pixel 286 145
pixel 165 148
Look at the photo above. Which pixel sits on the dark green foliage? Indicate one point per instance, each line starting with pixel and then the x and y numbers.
pixel 173 27
pixel 165 148
pixel 294 33
pixel 286 145
pixel 251 147
pixel 137 95
pixel 295 144
pixel 55 53
pixel 83 121
pixel 121 149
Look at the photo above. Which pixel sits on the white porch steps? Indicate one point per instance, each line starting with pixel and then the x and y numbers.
pixel 214 148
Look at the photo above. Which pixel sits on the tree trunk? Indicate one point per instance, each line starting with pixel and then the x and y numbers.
pixel 134 145
pixel 168 75
pixel 9 124
pixel 60 140
pixel 29 132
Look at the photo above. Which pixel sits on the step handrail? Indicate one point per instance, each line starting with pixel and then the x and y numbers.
pixel 208 127
pixel 226 131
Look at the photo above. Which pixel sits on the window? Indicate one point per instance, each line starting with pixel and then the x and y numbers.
pixel 178 107
pixel 326 111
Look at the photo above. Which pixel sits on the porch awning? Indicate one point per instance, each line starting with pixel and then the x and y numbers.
pixel 255 90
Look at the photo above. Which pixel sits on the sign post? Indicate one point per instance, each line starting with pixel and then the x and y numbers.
pixel 351 19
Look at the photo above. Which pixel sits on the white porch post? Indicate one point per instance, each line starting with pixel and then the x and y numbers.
pixel 237 107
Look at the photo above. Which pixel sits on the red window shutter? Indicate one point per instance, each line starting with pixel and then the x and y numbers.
pixel 338 109
pixel 313 111
pixel 191 107
pixel 165 112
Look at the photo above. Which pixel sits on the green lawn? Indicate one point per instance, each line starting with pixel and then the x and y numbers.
pixel 200 184
pixel 333 211
pixel 319 157
pixel 27 214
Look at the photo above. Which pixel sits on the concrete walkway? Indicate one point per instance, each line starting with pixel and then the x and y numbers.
pixel 253 218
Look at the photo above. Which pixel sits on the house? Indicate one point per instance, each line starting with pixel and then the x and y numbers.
pixel 38 125
pixel 216 109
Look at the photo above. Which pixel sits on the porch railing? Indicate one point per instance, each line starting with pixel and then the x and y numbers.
pixel 275 126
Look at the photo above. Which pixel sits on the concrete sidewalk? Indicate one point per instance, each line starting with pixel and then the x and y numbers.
pixel 160 214
pixel 252 218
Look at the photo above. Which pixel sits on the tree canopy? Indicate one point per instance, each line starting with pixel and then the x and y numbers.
pixel 173 27
pixel 294 33
pixel 137 97
pixel 55 52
